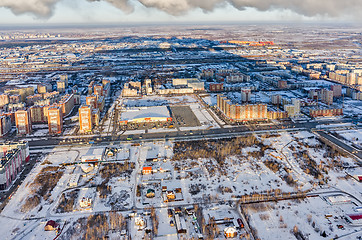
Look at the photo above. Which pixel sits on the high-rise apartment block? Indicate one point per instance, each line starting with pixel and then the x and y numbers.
pixel 64 77
pixel 276 99
pixel 61 85
pixel 98 90
pixel 337 90
pixel 245 112
pixel 5 125
pixel 216 87
pixel 44 88
pixel 246 95
pixel 92 101
pixel 327 96
pixel 85 119
pixel 55 120
pixel 4 99
pixel 13 156
pixel 37 114
pixel 23 122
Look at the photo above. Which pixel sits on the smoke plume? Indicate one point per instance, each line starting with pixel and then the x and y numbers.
pixel 333 8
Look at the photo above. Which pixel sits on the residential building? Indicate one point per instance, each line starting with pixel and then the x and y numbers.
pixel 246 95
pixel 55 120
pixel 245 112
pixel 44 88
pixel 326 112
pixel 98 90
pixel 337 90
pixel 92 101
pixel 327 96
pixel 13 156
pixel 61 86
pixel 4 99
pixel 37 114
pixel 5 125
pixel 276 99
pixel 23 122
pixel 216 87
pixel 85 119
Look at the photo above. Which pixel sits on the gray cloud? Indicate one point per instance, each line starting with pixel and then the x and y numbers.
pixel 333 8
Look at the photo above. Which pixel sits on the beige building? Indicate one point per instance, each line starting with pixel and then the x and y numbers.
pixel 23 122
pixel 85 119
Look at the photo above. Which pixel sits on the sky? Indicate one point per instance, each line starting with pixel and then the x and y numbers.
pixel 20 12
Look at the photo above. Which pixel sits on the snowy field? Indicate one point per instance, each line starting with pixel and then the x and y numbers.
pixel 212 175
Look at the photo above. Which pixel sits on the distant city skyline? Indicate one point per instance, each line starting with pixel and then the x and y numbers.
pixel 70 12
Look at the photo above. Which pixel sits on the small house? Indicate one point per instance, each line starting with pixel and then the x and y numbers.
pixel 146 170
pixel 230 232
pixel 51 226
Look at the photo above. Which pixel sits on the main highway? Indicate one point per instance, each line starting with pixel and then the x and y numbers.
pixel 212 133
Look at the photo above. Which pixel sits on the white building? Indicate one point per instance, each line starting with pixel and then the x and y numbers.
pixel 246 95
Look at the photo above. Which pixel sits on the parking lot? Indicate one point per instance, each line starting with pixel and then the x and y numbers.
pixel 183 116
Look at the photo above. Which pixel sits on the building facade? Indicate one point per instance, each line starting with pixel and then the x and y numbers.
pixel 85 119
pixel 13 156
pixel 55 120
pixel 23 122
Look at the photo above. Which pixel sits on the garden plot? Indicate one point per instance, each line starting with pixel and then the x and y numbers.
pixel 220 217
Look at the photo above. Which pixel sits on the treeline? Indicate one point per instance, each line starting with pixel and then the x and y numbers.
pixel 67 200
pixel 95 227
pixel 218 149
pixel 110 170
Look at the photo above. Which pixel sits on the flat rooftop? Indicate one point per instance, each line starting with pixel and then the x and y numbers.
pixel 145 112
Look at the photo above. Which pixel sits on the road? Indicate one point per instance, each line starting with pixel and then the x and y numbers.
pixel 182 135
pixel 351 150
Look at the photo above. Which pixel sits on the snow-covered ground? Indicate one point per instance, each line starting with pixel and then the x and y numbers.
pixel 262 167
